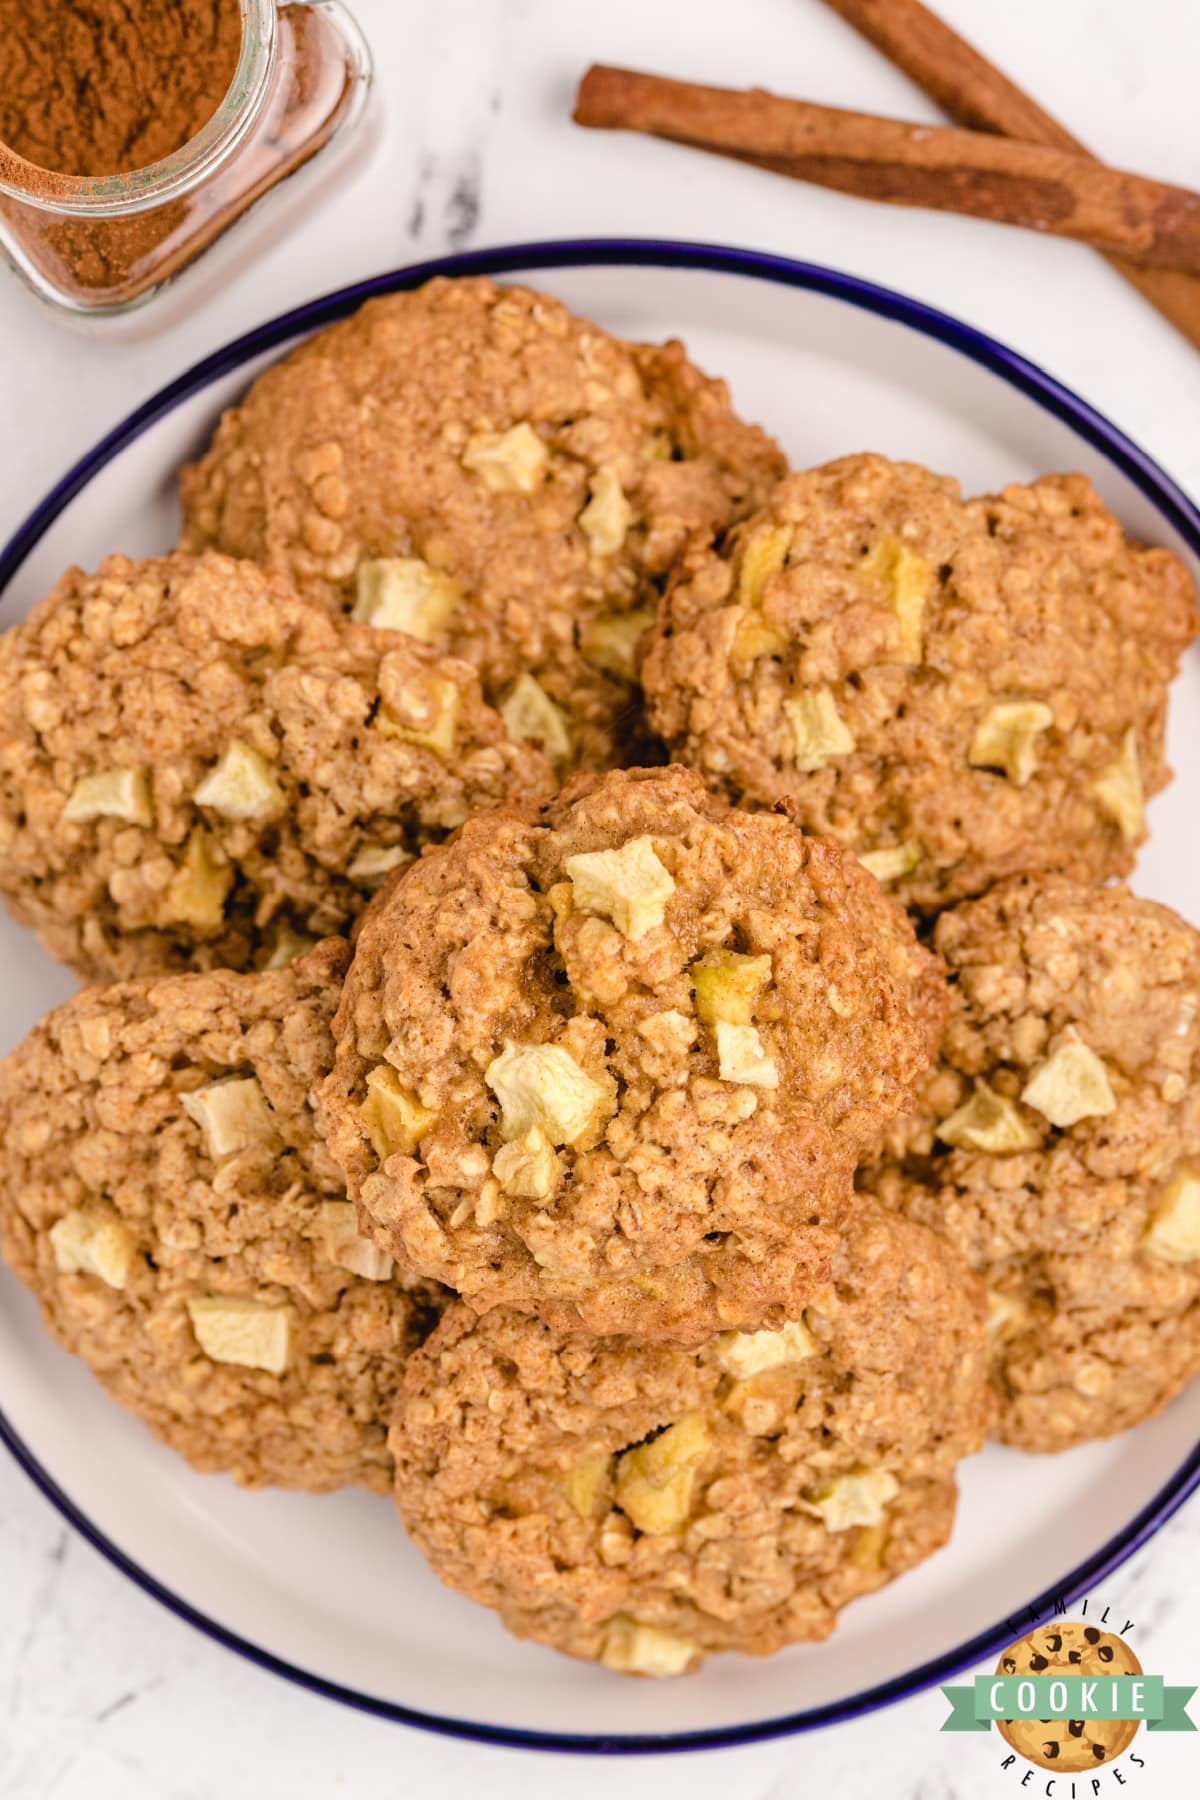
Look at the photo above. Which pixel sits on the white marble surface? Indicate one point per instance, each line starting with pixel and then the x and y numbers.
pixel 101 1693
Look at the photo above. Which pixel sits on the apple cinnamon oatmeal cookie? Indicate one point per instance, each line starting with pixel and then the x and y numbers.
pixel 613 1063
pixel 198 768
pixel 508 482
pixel 1058 1145
pixel 166 1196
pixel 643 1506
pixel 956 690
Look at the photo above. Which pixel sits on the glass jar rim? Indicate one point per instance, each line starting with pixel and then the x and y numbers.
pixel 138 190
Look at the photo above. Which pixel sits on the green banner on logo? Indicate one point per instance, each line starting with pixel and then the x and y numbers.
pixel 1174 1713
pixel 1143 1697
pixel 962 1710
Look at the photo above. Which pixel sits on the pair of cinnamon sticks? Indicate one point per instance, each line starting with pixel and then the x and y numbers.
pixel 1007 159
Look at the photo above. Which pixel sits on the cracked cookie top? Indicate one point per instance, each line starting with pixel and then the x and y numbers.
pixel 199 768
pixel 1057 1142
pixel 166 1196
pixel 956 690
pixel 644 1506
pixel 500 477
pixel 613 1062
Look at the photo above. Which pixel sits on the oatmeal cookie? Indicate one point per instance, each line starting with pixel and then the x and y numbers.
pixel 1069 1647
pixel 644 1506
pixel 502 478
pixel 956 690
pixel 198 768
pixel 1058 1144
pixel 166 1196
pixel 609 1063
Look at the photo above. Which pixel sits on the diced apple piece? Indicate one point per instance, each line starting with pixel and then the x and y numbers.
pixel 655 1510
pixel 507 462
pixel 86 1243
pixel 426 715
pixel 403 593
pixel 394 1117
pixel 893 862
pixel 561 899
pixel 543 1085
pixel 754 637
pixel 1071 1084
pixel 989 1122
pixel 907 578
pixel 246 1332
pixel 1119 793
pixel 429 718
pixel 858 1498
pixel 372 861
pixel 1006 738
pixel 346 1248
pixel 1174 1232
pixel 746 1353
pixel 585 1483
pixel 607 516
pixel 679 1444
pixel 633 1649
pixel 763 554
pixel 232 1114
pixel 110 794
pixel 742 1057
pixel 610 642
pixel 727 986
pixel 818 730
pixel 529 712
pixel 655 1481
pixel 199 888
pixel 527 1167
pixel 629 885
pixel 870 1546
pixel 241 786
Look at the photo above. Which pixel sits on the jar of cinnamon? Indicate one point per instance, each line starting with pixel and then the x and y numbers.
pixel 133 133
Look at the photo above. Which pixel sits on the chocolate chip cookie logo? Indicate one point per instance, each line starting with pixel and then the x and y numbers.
pixel 1069 1649
pixel 1069 1697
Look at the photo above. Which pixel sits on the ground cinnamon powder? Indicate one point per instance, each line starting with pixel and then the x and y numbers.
pixel 98 87
pixel 102 87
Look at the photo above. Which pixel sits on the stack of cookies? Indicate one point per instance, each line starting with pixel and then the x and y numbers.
pixel 606 1021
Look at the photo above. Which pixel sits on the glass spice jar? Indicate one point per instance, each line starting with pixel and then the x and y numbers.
pixel 101 244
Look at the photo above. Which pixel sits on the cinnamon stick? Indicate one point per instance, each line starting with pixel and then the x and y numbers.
pixel 938 166
pixel 976 94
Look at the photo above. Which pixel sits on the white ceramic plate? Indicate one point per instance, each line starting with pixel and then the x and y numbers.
pixel 329 1592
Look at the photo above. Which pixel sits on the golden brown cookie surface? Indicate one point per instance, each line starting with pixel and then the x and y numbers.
pixel 612 1063
pixel 202 769
pixel 957 690
pixel 1069 1647
pixel 165 1195
pixel 1058 1144
pixel 527 474
pixel 644 1506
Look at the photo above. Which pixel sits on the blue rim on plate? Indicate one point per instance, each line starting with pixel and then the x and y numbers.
pixel 1031 380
